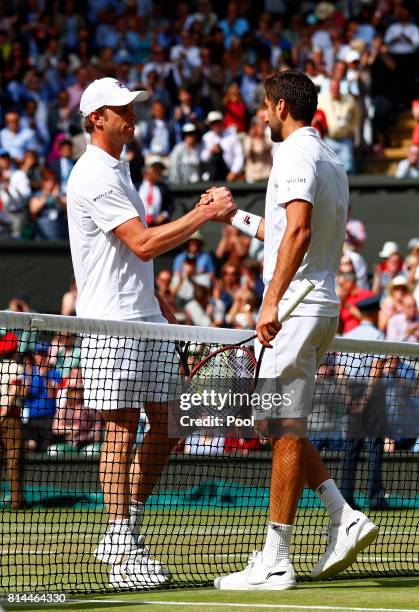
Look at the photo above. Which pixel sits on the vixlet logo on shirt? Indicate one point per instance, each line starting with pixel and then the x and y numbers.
pixel 103 195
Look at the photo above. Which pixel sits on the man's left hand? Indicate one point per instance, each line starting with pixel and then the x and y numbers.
pixel 268 325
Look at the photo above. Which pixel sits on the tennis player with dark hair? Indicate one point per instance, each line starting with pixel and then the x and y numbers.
pixel 112 250
pixel 303 232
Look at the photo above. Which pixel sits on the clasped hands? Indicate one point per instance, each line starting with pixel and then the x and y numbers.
pixel 221 202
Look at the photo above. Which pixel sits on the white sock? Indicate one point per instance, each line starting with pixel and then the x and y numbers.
pixel 136 515
pixel 334 502
pixel 277 543
pixel 120 530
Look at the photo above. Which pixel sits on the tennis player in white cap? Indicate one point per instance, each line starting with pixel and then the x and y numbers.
pixel 112 250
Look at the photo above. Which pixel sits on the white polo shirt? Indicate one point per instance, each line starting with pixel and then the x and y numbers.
pixel 304 168
pixel 112 282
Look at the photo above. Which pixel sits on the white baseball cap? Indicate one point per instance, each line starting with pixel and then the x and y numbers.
pixel 215 116
pixel 389 248
pixel 352 56
pixel 108 92
pixel 413 243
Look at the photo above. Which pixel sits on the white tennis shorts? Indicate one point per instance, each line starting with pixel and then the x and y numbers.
pixel 125 372
pixel 289 368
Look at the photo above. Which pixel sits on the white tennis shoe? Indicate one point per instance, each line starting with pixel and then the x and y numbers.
pixel 139 571
pixel 344 544
pixel 259 577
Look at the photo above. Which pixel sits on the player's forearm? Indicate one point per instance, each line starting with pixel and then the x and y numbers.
pixel 291 252
pixel 157 240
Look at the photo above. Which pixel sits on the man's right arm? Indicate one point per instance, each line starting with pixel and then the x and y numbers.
pixel 147 243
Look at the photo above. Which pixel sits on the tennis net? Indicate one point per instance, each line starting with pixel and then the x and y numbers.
pixel 209 508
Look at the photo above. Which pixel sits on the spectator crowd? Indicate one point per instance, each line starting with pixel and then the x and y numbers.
pixel 203 66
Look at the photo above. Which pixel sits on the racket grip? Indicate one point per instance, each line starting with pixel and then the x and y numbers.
pixel 304 289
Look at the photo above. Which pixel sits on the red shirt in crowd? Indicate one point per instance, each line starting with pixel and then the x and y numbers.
pixel 348 320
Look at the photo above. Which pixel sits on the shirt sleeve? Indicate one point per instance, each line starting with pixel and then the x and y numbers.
pixel 108 205
pixel 297 176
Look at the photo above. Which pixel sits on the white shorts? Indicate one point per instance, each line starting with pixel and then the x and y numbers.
pixel 289 368
pixel 125 372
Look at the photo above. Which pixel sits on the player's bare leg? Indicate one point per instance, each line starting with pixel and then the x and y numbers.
pixel 271 569
pixel 11 433
pixel 132 567
pixel 152 454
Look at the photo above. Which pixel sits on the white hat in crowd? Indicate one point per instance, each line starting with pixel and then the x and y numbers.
pixel 108 92
pixel 389 248
pixel 413 244
pixel 189 128
pixel 399 281
pixel 215 116
pixel 352 56
pixel 202 280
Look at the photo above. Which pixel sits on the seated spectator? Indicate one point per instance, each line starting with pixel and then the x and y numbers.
pixel 243 312
pixel 233 26
pixel 68 303
pixel 354 262
pixel 73 424
pixel 415 114
pixel 61 119
pixel 342 118
pixel 163 281
pixel 204 15
pixel 41 381
pixel 204 262
pixel 155 193
pixel 402 38
pixel 258 152
pixel 349 294
pixel 65 353
pixel 158 134
pixel 185 112
pixel 382 69
pixel 181 286
pixel 22 182
pixel 409 167
pixel 235 111
pixel 404 326
pixel 325 421
pixel 251 278
pixel 393 303
pixel 185 55
pixel 63 165
pixel 185 158
pixel 230 284
pixel 48 210
pixel 208 82
pixel 203 309
pixel 386 270
pixel 11 432
pixel 16 140
pixel 222 151
pixel 356 234
pixel 233 246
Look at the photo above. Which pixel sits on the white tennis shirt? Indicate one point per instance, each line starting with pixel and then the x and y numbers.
pixel 112 282
pixel 304 168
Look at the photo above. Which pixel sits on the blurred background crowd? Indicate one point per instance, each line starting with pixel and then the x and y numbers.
pixel 204 66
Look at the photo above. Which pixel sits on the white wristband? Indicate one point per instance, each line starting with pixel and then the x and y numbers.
pixel 246 222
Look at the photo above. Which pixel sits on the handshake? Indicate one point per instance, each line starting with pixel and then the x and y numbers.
pixel 220 204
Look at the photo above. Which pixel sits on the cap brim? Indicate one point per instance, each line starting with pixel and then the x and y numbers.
pixel 121 99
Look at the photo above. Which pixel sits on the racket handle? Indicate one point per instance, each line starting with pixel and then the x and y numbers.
pixel 305 287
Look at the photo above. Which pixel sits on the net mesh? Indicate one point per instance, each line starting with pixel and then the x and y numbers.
pixel 208 510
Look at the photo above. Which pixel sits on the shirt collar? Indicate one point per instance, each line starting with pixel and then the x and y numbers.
pixel 109 160
pixel 310 131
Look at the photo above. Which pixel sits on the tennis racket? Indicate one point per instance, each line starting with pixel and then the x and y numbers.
pixel 236 361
